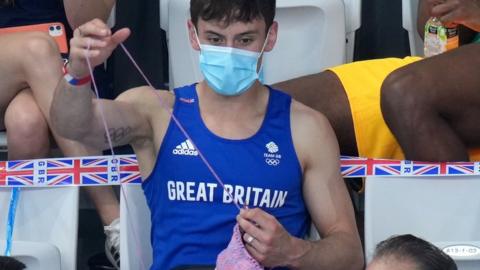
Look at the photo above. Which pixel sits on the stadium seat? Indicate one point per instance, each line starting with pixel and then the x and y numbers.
pixel 330 21
pixel 135 248
pixel 46 218
pixel 353 21
pixel 311 38
pixel 353 10
pixel 35 255
pixel 164 14
pixel 409 22
pixel 442 210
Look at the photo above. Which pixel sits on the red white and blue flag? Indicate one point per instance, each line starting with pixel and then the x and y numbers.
pixel 461 168
pixel 115 170
pixel 363 167
pixel 19 173
pixel 55 172
pixel 353 166
pixel 129 171
pixel 86 171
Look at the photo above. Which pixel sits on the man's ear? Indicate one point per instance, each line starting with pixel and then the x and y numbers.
pixel 272 37
pixel 192 34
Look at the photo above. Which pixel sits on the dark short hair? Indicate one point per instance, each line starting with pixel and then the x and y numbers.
pixel 9 263
pixel 228 11
pixel 420 252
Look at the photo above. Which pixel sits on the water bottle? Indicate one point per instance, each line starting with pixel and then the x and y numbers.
pixel 439 38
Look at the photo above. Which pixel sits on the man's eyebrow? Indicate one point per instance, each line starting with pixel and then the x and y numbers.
pixel 251 32
pixel 213 33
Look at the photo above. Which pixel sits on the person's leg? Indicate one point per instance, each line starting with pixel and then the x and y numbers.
pixel 30 60
pixel 33 60
pixel 11 67
pixel 433 106
pixel 105 202
pixel 325 93
pixel 27 129
pixel 107 206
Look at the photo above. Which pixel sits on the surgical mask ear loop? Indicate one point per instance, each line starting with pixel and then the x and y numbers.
pixel 195 70
pixel 262 51
pixel 196 36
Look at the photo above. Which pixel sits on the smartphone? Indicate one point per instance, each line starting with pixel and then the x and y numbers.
pixel 56 30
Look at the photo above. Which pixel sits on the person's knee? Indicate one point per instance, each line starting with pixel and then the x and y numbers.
pixel 27 133
pixel 26 123
pixel 38 45
pixel 399 97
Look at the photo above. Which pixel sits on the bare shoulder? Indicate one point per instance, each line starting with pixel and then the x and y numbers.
pixel 147 100
pixel 150 108
pixel 306 119
pixel 145 95
pixel 312 134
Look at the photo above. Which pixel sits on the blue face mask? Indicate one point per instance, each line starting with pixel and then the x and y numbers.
pixel 229 71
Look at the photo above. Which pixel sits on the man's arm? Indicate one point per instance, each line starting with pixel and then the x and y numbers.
pixel 81 11
pixel 328 203
pixel 74 112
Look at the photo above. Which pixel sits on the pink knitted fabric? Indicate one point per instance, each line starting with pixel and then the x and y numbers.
pixel 235 256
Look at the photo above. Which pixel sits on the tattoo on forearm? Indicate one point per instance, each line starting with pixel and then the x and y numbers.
pixel 118 134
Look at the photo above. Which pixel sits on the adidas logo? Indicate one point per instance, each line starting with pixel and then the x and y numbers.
pixel 186 148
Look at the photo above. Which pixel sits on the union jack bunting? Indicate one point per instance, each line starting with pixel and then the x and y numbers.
pixel 387 167
pixel 464 168
pixel 19 173
pixel 92 171
pixel 429 169
pixel 86 171
pixel 3 170
pixel 116 170
pixel 129 173
pixel 55 172
pixel 352 167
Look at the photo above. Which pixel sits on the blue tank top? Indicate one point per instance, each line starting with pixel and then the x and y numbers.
pixel 192 217
pixel 28 12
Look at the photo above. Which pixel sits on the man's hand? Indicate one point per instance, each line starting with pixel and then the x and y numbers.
pixel 453 12
pixel 266 239
pixel 95 41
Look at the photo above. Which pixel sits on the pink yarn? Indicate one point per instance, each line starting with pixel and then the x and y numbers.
pixel 236 256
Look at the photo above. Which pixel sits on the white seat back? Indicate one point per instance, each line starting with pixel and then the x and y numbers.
pixel 409 22
pixel 311 38
pixel 442 210
pixel 163 14
pixel 135 247
pixel 35 255
pixel 48 216
pixel 353 21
